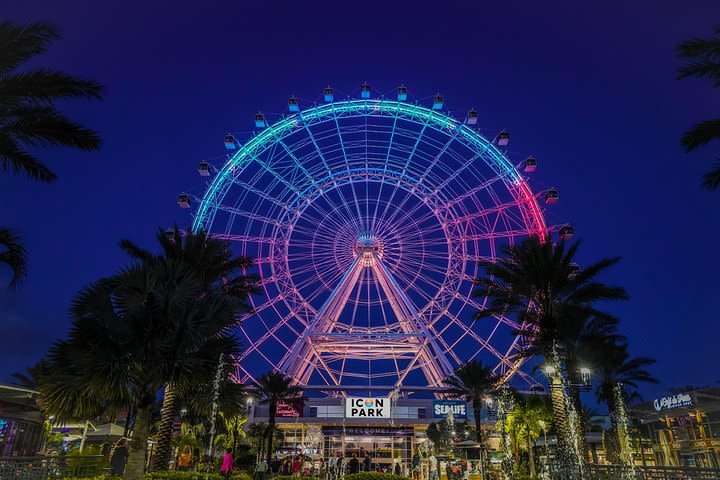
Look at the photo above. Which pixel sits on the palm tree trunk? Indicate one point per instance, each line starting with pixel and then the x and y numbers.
pixel 477 411
pixel 161 461
pixel 271 431
pixel 135 468
pixel 559 417
pixel 531 454
pixel 577 403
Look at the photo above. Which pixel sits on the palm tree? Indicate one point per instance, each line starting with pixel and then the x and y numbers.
pixel 617 370
pixel 214 265
pixel 525 422
pixel 536 281
pixel 149 325
pixel 274 387
pixel 473 381
pixel 13 254
pixel 31 378
pixel 703 61
pixel 29 118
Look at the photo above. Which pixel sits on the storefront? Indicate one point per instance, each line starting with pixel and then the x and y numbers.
pixel 387 432
pixel 21 424
pixel 684 428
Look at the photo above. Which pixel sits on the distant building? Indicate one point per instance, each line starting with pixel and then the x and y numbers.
pixel 684 428
pixel 21 423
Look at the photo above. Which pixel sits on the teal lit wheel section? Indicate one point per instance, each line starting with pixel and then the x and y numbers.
pixel 367 219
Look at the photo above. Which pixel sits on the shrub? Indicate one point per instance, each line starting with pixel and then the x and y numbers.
pixel 104 476
pixel 295 477
pixel 241 476
pixel 176 475
pixel 375 476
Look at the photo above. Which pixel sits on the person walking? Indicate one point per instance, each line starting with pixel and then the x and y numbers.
pixel 398 469
pixel 119 457
pixel 354 464
pixel 416 460
pixel 367 463
pixel 185 460
pixel 296 466
pixel 227 463
pixel 260 470
pixel 433 466
pixel 339 466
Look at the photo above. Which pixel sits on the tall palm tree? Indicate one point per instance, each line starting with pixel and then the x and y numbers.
pixel 703 61
pixel 149 325
pixel 274 387
pixel 29 118
pixel 214 265
pixel 617 371
pixel 536 281
pixel 473 381
pixel 13 254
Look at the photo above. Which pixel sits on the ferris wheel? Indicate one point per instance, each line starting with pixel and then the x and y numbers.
pixel 367 219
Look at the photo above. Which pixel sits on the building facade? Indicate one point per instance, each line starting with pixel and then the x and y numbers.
pixel 683 428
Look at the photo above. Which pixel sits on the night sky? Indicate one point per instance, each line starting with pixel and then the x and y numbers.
pixel 588 88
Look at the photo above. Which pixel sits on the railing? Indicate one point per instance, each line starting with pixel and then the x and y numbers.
pixel 41 468
pixel 624 472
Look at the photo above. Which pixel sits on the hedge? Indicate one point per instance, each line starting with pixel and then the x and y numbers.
pixel 294 477
pixel 375 476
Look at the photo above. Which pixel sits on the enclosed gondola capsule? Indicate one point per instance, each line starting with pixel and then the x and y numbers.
pixel 230 143
pixel 530 164
pixel 260 120
pixel 365 90
pixel 293 104
pixel 551 196
pixel 503 138
pixel 566 232
pixel 184 200
pixel 472 117
pixel 328 94
pixel 437 102
pixel 402 93
pixel 204 169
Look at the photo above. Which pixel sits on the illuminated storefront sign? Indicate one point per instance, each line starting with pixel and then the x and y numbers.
pixel 367 407
pixel 371 431
pixel 290 408
pixel 441 408
pixel 675 401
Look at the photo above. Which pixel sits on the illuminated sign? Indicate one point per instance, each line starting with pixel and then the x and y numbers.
pixel 441 408
pixel 367 407
pixel 675 401
pixel 292 408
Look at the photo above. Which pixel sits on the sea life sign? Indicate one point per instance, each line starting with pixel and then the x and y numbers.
pixel 674 401
pixel 441 408
pixel 367 407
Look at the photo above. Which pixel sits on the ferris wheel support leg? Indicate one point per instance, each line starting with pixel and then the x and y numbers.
pixel 297 364
pixel 434 363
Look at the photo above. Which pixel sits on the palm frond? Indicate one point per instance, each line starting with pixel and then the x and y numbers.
pixel 19 43
pixel 701 69
pixel 43 125
pixel 701 134
pixel 45 86
pixel 14 158
pixel 711 180
pixel 700 48
pixel 13 254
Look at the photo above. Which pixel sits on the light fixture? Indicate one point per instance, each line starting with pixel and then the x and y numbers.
pixel 585 372
pixel 549 370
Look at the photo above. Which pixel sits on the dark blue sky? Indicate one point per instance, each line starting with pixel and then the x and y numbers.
pixel 587 87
